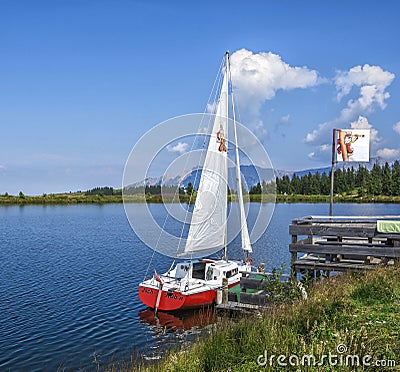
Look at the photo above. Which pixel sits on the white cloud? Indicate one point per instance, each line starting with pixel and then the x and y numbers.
pixel 325 147
pixel 318 134
pixel 258 76
pixel 373 81
pixel 388 154
pixel 362 123
pixel 396 127
pixel 370 76
pixel 282 124
pixel 323 151
pixel 260 131
pixel 180 147
pixel 284 119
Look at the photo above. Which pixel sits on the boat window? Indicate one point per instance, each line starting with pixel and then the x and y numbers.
pixel 209 273
pixel 199 270
pixel 181 271
pixel 231 273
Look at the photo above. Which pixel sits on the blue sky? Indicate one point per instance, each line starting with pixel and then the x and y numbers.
pixel 82 81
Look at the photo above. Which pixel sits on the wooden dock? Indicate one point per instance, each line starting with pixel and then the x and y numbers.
pixel 234 307
pixel 251 296
pixel 343 243
pixel 321 245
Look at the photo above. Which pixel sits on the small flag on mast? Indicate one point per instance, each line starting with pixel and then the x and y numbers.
pixel 157 277
pixel 353 145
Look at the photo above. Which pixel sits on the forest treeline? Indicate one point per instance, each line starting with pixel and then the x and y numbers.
pixel 154 190
pixel 103 191
pixel 380 180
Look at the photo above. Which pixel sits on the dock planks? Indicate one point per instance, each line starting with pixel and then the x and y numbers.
pixel 344 243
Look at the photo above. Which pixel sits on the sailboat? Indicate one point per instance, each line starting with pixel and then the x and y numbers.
pixel 194 283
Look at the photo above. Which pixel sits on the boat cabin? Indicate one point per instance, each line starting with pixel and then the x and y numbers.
pixel 205 270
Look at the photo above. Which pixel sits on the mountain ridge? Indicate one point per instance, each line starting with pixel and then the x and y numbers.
pixel 253 174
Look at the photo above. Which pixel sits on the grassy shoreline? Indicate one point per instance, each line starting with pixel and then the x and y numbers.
pixel 359 311
pixel 81 198
pixel 337 199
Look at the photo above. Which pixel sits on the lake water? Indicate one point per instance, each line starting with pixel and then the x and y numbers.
pixel 69 278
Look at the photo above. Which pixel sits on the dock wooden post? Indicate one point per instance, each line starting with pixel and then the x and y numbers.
pixel 293 275
pixel 224 290
pixel 332 172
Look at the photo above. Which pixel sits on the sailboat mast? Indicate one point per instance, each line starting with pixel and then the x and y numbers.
pixel 227 75
pixel 227 72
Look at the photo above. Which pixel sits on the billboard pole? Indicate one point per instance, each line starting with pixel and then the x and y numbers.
pixel 332 171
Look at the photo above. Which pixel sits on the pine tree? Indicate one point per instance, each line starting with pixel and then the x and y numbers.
pixel 189 189
pixel 286 187
pixel 350 179
pixel 325 184
pixel 396 178
pixel 305 184
pixel 315 184
pixel 387 182
pixel 340 185
pixel 375 182
pixel 361 180
pixel 295 184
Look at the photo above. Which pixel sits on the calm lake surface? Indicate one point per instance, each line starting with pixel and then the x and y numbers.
pixel 69 278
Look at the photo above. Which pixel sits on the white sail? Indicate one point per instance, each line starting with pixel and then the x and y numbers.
pixel 208 225
pixel 246 245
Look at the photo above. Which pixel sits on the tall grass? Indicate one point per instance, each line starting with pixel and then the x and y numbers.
pixel 361 312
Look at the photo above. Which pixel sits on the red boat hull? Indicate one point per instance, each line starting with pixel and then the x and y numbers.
pixel 175 300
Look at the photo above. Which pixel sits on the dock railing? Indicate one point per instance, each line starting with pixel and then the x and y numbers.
pixel 341 243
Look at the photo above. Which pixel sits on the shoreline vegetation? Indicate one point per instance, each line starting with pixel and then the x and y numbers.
pixel 83 198
pixel 378 185
pixel 352 317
